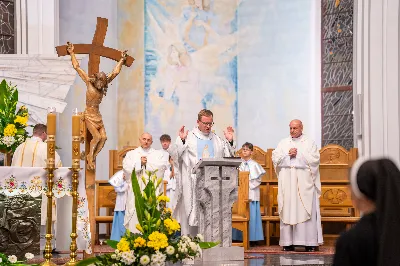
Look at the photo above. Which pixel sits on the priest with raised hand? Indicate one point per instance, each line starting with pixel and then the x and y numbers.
pixel 296 162
pixel 140 160
pixel 192 146
pixel 33 153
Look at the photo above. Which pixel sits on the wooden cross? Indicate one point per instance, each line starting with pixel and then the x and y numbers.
pixel 95 50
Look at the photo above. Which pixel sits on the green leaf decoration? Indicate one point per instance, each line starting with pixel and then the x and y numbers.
pixel 139 202
pixel 88 261
pixel 112 243
pixel 207 245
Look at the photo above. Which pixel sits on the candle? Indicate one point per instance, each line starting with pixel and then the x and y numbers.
pixel 51 123
pixel 76 122
pixel 51 137
pixel 76 119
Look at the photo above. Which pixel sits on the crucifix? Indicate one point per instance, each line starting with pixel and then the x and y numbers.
pixel 97 84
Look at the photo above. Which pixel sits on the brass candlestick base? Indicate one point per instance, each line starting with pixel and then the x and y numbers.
pixel 75 182
pixel 48 249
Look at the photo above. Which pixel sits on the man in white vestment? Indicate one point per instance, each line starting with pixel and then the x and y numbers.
pixel 33 153
pixel 192 146
pixel 296 161
pixel 141 159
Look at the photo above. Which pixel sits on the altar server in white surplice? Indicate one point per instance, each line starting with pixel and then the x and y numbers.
pixel 192 146
pixel 33 153
pixel 296 161
pixel 256 172
pixel 118 181
pixel 141 159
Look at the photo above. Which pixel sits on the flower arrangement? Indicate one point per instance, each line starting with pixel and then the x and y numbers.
pixel 12 121
pixel 13 261
pixel 158 241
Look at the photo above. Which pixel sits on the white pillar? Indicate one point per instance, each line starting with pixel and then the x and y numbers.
pixel 376 60
pixel 37 24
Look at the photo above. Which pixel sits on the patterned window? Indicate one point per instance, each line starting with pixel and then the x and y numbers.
pixel 337 72
pixel 7 38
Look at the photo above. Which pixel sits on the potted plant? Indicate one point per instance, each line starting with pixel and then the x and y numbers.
pixel 13 121
pixel 158 242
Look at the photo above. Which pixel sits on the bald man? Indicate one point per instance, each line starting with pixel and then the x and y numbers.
pixel 296 162
pixel 141 159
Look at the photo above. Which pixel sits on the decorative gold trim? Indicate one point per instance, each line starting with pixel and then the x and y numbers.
pixel 22 157
pixel 34 153
pixel 76 138
pixel 51 138
pixel 76 149
pixel 51 148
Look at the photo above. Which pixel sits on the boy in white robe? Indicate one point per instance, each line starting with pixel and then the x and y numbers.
pixel 256 172
pixel 118 181
pixel 169 176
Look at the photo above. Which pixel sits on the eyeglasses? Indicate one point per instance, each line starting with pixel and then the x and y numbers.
pixel 207 124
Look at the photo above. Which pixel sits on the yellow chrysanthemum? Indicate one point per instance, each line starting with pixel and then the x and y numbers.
pixel 123 245
pixel 163 198
pixel 167 210
pixel 21 119
pixel 139 227
pixel 172 225
pixel 139 242
pixel 157 240
pixel 10 130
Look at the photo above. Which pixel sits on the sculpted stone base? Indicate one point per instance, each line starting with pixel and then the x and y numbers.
pixel 224 254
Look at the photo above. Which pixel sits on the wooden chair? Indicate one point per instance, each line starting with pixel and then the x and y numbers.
pixel 116 158
pixel 241 210
pixel 105 198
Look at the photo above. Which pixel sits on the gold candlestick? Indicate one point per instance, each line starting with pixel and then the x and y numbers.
pixel 75 182
pixel 51 144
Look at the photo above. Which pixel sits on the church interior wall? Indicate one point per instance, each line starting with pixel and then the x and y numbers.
pixel 279 74
pixel 377 78
pixel 277 70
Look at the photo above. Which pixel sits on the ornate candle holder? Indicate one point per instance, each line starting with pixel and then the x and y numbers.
pixel 76 117
pixel 51 149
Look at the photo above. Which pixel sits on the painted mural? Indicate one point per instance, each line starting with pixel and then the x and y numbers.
pixel 190 63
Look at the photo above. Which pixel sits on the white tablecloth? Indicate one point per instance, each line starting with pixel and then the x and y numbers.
pixel 33 181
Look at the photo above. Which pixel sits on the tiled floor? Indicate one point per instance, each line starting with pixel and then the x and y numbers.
pixel 253 259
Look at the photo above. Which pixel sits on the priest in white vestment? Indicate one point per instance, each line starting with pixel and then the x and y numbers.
pixel 192 146
pixel 33 153
pixel 296 161
pixel 141 159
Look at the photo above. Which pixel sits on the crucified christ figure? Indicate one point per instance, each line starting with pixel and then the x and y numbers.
pixel 96 90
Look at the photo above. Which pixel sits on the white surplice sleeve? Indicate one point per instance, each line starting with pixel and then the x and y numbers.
pixel 229 150
pixel 254 183
pixel 180 146
pixel 280 157
pixel 121 188
pixel 132 161
pixel 311 158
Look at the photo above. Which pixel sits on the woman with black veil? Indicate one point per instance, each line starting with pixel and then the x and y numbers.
pixel 375 239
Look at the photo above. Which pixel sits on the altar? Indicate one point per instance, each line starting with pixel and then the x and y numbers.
pixel 20 204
